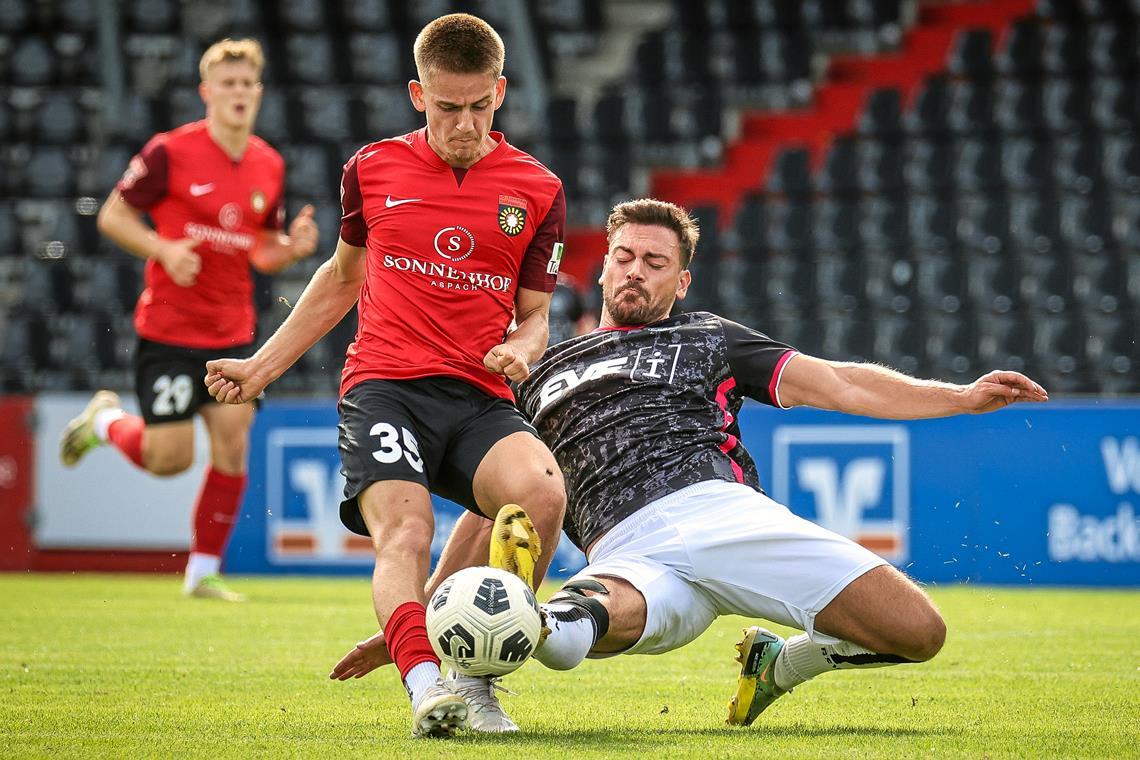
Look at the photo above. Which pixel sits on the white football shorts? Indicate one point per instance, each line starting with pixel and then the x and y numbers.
pixel 719 548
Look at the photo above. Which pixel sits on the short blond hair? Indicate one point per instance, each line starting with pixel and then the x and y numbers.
pixel 247 49
pixel 661 214
pixel 459 43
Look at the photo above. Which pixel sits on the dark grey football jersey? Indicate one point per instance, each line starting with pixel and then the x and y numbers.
pixel 633 415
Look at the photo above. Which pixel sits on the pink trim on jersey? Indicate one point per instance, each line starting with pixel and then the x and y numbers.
pixel 730 443
pixel 774 383
pixel 616 329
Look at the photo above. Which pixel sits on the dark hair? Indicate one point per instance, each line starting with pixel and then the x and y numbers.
pixel 662 214
pixel 459 43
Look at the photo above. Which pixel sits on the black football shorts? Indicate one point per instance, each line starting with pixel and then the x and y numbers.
pixel 168 379
pixel 434 431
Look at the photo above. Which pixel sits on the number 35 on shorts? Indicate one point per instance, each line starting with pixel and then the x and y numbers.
pixel 393 447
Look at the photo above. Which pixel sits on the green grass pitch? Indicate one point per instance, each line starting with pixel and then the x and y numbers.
pixel 121 666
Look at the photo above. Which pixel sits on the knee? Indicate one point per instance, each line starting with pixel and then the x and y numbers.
pixel 546 499
pixel 409 534
pixel 925 637
pixel 168 462
pixel 229 459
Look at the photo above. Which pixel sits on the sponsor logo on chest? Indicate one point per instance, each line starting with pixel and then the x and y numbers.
pixel 453 249
pixel 647 364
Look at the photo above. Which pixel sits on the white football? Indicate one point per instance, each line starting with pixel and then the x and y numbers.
pixel 483 622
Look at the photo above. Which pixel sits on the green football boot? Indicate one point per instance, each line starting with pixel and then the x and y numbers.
pixel 756 688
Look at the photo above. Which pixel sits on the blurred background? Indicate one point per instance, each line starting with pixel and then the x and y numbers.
pixel 943 187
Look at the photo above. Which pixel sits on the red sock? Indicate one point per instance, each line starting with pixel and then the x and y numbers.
pixel 216 511
pixel 125 434
pixel 406 636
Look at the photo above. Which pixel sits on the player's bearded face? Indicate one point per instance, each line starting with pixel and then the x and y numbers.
pixel 642 275
pixel 460 109
pixel 232 93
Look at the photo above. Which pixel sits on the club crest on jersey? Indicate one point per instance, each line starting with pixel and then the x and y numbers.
pixel 512 214
pixel 257 202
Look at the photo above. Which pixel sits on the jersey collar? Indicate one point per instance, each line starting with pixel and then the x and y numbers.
pixel 423 149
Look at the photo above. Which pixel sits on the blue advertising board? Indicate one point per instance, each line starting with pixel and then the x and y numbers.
pixel 1041 494
pixel 290 519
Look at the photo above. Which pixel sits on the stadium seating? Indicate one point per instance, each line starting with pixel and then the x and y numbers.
pixel 943 187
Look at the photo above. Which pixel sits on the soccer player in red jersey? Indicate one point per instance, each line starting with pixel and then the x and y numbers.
pixel 449 234
pixel 215 193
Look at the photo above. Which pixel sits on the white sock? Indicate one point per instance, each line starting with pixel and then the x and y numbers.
pixel 571 636
pixel 198 567
pixel 419 679
pixel 801 659
pixel 103 420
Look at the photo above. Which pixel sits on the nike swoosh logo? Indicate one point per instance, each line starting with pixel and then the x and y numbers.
pixel 369 154
pixel 197 190
pixel 389 203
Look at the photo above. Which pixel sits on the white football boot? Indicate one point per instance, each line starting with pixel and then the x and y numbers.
pixel 484 712
pixel 440 712
pixel 79 435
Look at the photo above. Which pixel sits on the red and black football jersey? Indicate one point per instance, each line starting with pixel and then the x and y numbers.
pixel 448 250
pixel 192 188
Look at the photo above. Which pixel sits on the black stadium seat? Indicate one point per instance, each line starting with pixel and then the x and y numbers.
pixel 837 175
pixel 928 166
pixel 881 116
pixel 878 167
pixel 940 282
pixel 1077 163
pixel 970 109
pixel 977 165
pixel 789 226
pixel 791 175
pixel 970 55
pixel 835 225
pixel 1066 104
pixel 1026 164
pixel 1021 55
pixel 883 224
pixel 1018 106
pixel 928 116
pixel 1034 223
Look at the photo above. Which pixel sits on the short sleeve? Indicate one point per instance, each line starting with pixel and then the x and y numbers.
pixel 143 184
pixel 353 229
pixel 757 362
pixel 275 219
pixel 543 256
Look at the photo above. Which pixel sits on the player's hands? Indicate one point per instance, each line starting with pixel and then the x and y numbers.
pixel 234 381
pixel 365 657
pixel 303 233
pixel 177 257
pixel 1001 388
pixel 505 359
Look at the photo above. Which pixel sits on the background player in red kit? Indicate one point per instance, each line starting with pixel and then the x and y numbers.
pixel 215 193
pixel 448 234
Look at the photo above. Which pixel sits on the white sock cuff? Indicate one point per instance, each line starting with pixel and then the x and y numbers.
pixel 103 420
pixel 571 637
pixel 419 678
pixel 199 566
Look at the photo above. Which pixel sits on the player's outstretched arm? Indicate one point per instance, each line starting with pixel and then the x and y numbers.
pixel 362 659
pixel 526 343
pixel 277 251
pixel 327 298
pixel 875 391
